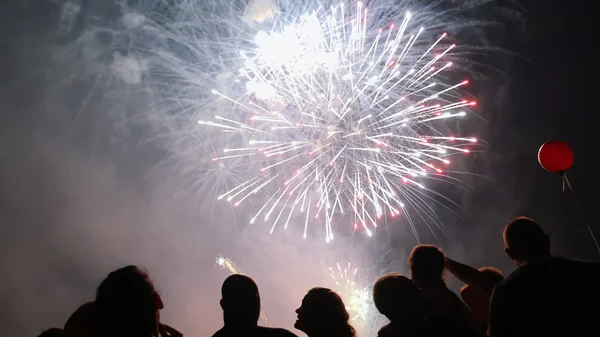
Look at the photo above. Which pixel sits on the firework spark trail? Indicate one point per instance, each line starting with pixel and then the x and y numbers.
pixel 227 264
pixel 356 298
pixel 343 115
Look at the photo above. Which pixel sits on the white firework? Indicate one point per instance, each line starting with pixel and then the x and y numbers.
pixel 336 117
pixel 356 298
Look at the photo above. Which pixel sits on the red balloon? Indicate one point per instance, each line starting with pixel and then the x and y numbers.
pixel 556 156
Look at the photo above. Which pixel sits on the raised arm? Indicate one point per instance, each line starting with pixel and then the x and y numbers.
pixel 470 276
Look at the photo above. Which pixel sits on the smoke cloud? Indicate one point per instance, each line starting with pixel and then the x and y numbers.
pixel 260 10
pixel 86 187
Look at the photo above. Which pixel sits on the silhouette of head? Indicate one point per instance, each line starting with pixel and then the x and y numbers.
pixel 395 296
pixel 52 332
pixel 492 274
pixel 426 264
pixel 476 300
pixel 127 304
pixel 240 301
pixel 84 322
pixel 524 241
pixel 323 313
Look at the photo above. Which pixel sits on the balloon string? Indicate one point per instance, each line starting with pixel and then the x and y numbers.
pixel 566 180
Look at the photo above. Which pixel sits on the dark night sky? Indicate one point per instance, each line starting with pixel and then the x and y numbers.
pixel 542 88
pixel 550 96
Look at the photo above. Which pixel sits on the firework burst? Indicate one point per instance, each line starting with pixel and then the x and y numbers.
pixel 226 264
pixel 355 297
pixel 339 118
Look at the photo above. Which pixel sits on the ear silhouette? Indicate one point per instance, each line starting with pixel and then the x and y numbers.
pixel 547 242
pixel 159 303
pixel 510 253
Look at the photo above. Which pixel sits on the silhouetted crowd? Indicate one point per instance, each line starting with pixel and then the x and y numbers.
pixel 545 296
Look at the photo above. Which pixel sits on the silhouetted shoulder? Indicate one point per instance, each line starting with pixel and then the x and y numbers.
pixel 274 332
pixel 589 266
pixel 257 331
pixel 279 332
pixel 558 296
pixel 583 273
pixel 387 331
pixel 425 328
pixel 555 265
pixel 220 333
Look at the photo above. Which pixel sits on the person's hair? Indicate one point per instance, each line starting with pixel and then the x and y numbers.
pixel 240 300
pixel 525 239
pixel 329 313
pixel 239 285
pixel 492 274
pixel 52 332
pixel 83 322
pixel 126 302
pixel 426 263
pixel 392 293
